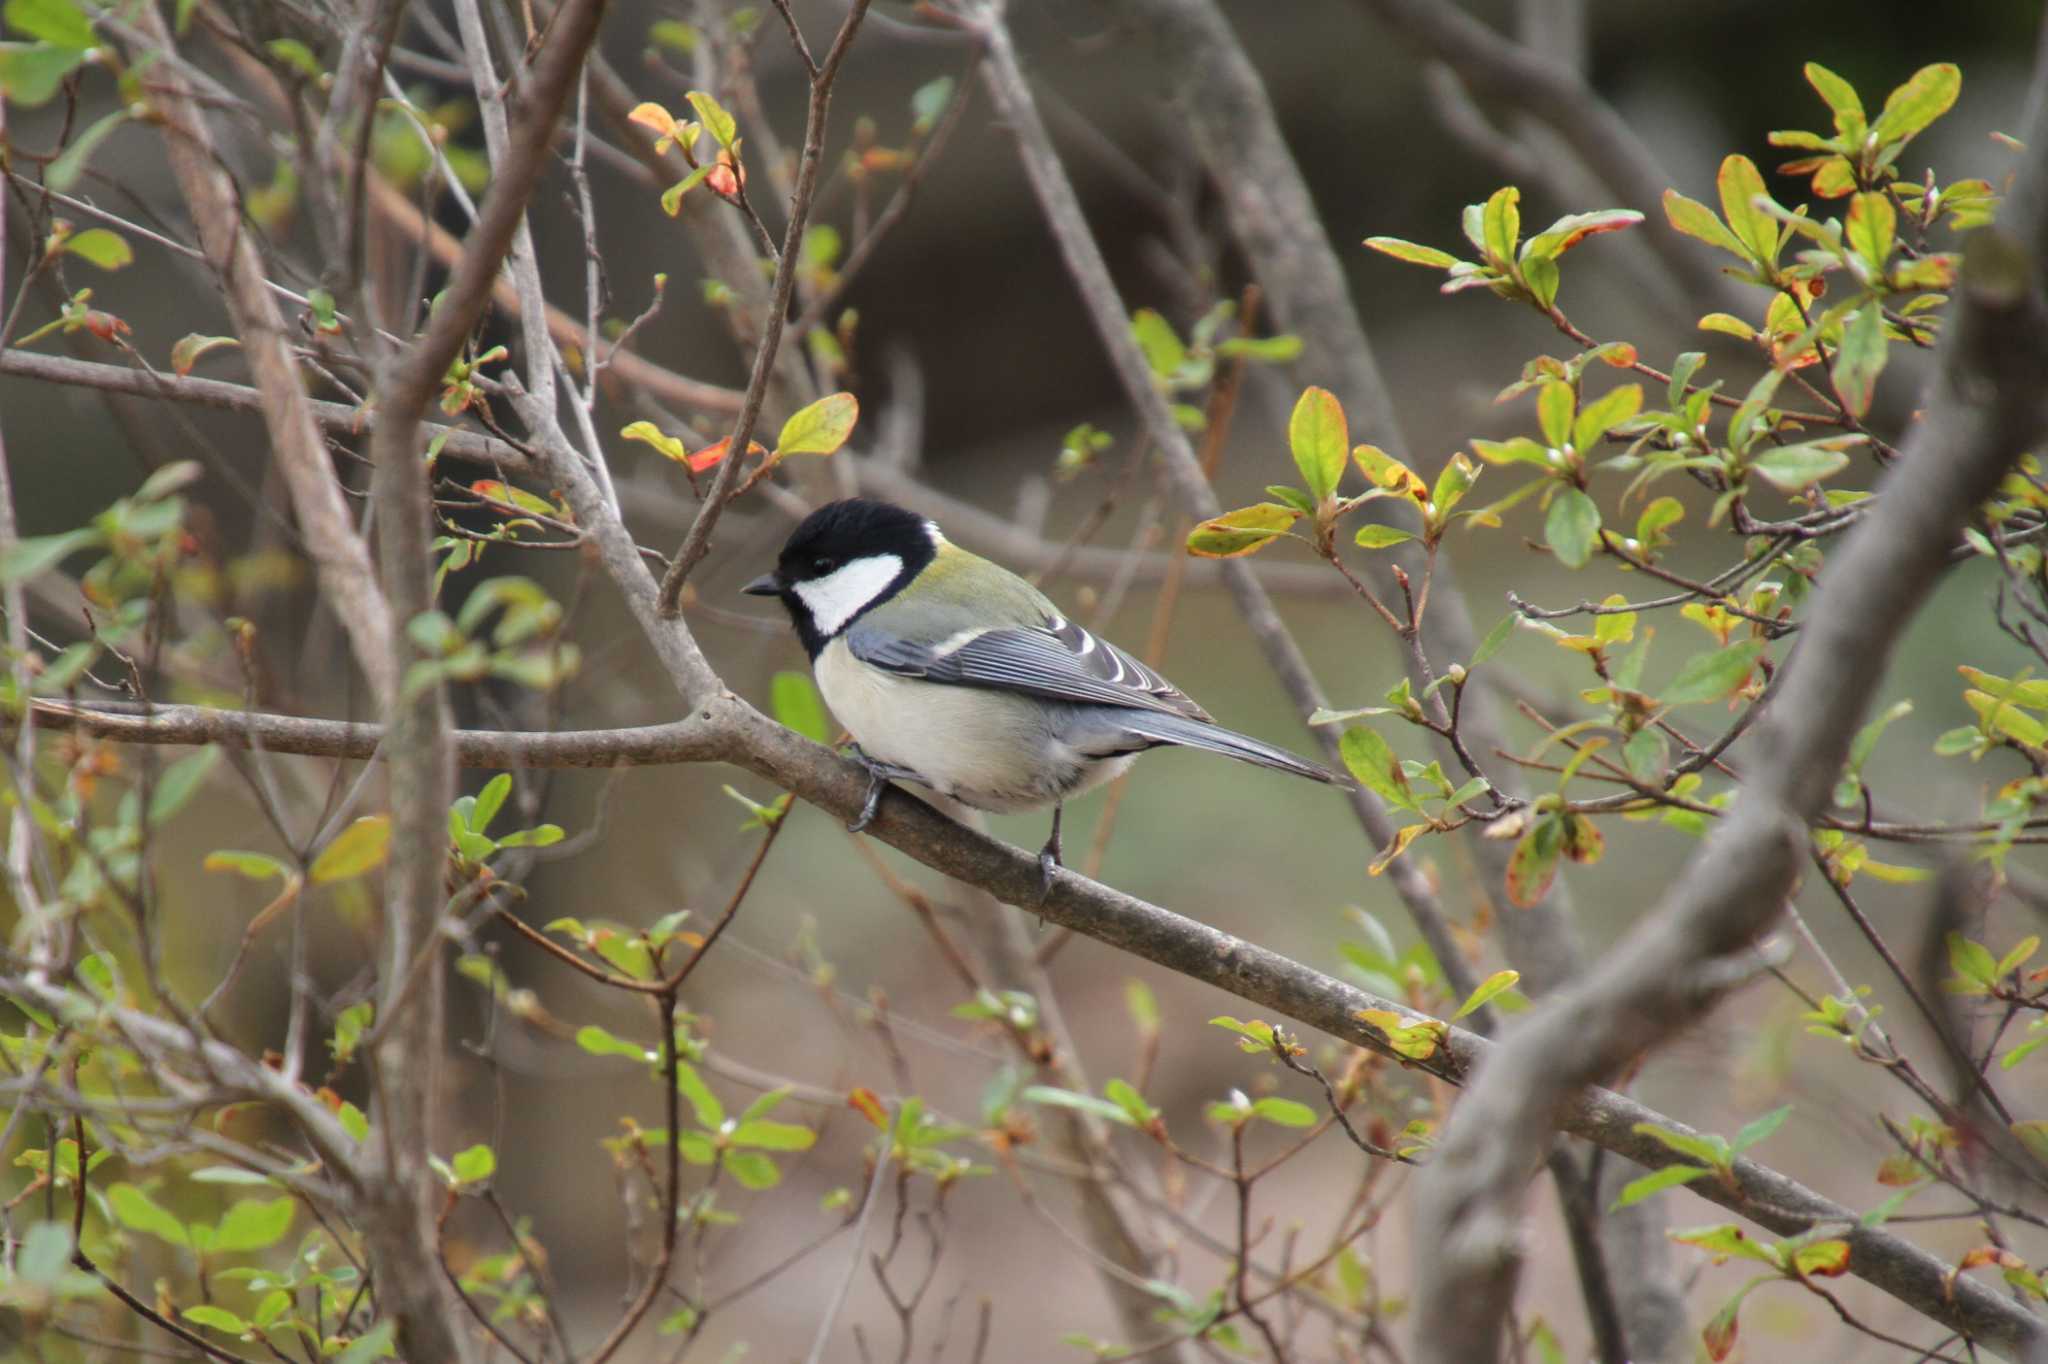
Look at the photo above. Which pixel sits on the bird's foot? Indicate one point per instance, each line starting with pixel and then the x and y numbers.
pixel 880 774
pixel 1049 863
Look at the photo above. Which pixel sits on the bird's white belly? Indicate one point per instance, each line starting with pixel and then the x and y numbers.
pixel 989 749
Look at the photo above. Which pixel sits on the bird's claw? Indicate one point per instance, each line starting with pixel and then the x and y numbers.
pixel 880 774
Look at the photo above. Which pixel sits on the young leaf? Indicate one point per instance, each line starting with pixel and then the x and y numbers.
pixel 1841 99
pixel 1572 527
pixel 1319 438
pixel 1243 531
pixel 1927 94
pixel 1860 359
pixel 359 848
pixel 1373 535
pixel 1412 253
pixel 820 428
pixel 795 702
pixel 716 120
pixel 1162 346
pixel 100 247
pixel 255 866
pixel 1493 985
pixel 1376 767
pixel 1671 1176
pixel 1792 468
pixel 1711 676
pixel 255 1224
pixel 1695 219
pixel 1741 184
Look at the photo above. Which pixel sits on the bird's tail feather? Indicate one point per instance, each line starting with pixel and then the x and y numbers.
pixel 1161 727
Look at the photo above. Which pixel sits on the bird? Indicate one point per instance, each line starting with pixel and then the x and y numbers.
pixel 953 673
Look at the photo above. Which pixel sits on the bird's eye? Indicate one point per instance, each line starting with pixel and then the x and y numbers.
pixel 822 565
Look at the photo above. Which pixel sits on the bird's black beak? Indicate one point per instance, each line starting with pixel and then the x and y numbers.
pixel 767 585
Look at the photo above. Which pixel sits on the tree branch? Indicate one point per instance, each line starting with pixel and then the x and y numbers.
pixel 697 542
pixel 340 559
pixel 339 418
pixel 725 728
pixel 1987 409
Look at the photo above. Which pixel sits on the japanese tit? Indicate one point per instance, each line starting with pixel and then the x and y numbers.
pixel 954 673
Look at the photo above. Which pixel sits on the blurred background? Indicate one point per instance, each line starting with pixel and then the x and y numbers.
pixel 973 358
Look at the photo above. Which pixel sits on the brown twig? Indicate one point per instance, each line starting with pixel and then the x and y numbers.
pixel 697 542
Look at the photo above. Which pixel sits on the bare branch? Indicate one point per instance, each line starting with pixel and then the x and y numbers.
pixel 697 543
pixel 339 556
pixel 338 418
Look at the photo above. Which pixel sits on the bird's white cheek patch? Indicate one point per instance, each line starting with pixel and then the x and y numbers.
pixel 834 598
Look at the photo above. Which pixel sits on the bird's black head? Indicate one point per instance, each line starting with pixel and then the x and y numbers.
pixel 843 559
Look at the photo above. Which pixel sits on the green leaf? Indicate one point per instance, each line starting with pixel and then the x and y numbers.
pixel 255 1224
pixel 793 697
pixel 1502 224
pixel 1658 517
pixel 1555 404
pixel 1707 1149
pixel 1841 99
pixel 189 349
pixel 1610 410
pixel 1125 1095
pixel 1162 346
pixel 63 174
pixel 1927 94
pixel 60 22
pixel 474 1164
pixel 36 554
pixel 359 848
pixel 489 801
pixel 1412 253
pixel 1568 231
pixel 1532 866
pixel 1712 676
pixel 753 1170
pixel 1860 359
pixel 1080 1103
pixel 1757 1130
pixel 1741 184
pixel 1972 963
pixel 1572 527
pixel 219 1318
pixel 1320 440
pixel 1493 985
pixel 1495 638
pixel 928 102
pixel 672 197
pixel 1372 761
pixel 1376 536
pixel 1284 349
pixel 715 119
pixel 709 1111
pixel 374 1343
pixel 821 427
pixel 1636 1190
pixel 1791 468
pixel 1696 220
pixel 774 1136
pixel 137 1211
pixel 1284 1112
pixel 180 782
pixel 1240 532
pixel 1869 228
pixel 32 73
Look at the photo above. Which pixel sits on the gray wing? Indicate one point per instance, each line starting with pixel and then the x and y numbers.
pixel 1059 661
